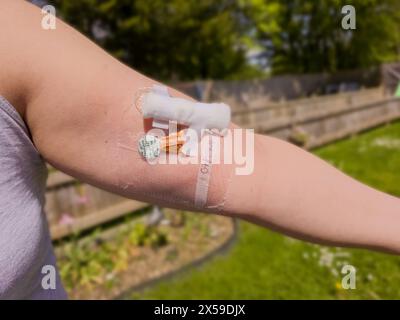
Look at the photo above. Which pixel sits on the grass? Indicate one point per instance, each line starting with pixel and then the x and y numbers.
pixel 266 265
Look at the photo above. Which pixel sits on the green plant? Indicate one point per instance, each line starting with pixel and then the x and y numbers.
pixel 156 239
pixel 138 234
pixel 298 137
pixel 92 261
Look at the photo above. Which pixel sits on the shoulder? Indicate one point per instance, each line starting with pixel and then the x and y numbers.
pixel 15 68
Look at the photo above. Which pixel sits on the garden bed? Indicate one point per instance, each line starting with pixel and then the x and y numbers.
pixel 107 263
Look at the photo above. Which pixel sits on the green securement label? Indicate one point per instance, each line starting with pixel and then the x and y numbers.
pixel 149 147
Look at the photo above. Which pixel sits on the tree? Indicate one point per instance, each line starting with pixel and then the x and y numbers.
pixel 302 36
pixel 178 39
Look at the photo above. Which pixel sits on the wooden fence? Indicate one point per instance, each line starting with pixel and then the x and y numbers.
pixel 72 206
pixel 320 120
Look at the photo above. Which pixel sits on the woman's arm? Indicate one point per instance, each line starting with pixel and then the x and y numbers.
pixel 78 103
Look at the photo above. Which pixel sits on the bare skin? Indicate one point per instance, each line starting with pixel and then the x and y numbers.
pixel 73 97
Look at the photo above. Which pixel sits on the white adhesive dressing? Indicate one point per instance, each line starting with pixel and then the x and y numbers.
pixel 200 117
pixel 197 116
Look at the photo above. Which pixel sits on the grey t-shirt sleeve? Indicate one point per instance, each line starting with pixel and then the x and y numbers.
pixel 25 243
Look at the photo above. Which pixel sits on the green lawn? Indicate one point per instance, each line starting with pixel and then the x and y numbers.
pixel 266 265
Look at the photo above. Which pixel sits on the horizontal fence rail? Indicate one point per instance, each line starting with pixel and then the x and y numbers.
pixel 321 121
pixel 72 206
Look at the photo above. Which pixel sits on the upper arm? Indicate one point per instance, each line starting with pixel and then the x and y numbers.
pixel 82 117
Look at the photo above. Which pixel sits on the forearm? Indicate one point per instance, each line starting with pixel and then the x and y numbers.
pixel 293 191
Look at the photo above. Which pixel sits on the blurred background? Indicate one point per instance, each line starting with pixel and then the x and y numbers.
pixel 288 69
